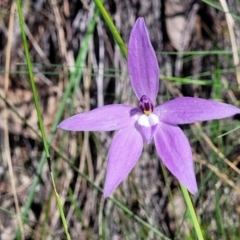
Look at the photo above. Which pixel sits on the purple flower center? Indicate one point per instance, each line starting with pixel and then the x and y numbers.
pixel 145 104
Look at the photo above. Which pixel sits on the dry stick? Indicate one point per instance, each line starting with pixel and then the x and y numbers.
pixel 100 218
pixel 189 24
pixel 6 148
pixel 87 85
pixel 215 149
pixel 85 147
pixel 63 52
pixel 229 92
pixel 230 23
pixel 36 45
pixel 61 36
pixel 63 45
pixel 100 74
pixel 221 175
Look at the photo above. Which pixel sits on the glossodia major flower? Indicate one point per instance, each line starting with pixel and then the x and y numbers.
pixel 146 122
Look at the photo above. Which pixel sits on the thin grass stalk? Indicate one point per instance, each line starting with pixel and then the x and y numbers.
pixel 111 26
pixel 60 209
pixel 192 212
pixel 32 83
pixel 76 74
pixel 39 116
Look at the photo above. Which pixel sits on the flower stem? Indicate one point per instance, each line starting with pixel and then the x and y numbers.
pixel 192 212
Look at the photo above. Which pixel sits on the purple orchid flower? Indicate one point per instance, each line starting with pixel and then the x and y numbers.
pixel 137 125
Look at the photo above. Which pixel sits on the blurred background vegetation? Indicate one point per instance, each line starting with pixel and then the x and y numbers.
pixel 77 67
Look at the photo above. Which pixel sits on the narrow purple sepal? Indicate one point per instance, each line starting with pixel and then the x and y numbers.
pixel 142 62
pixel 124 152
pixel 106 118
pixel 175 152
pixel 148 132
pixel 186 110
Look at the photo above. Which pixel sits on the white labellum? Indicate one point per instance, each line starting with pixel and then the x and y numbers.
pixel 148 120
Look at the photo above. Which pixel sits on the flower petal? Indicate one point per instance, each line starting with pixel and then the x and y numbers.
pixel 185 110
pixel 174 149
pixel 106 118
pixel 142 62
pixel 124 153
pixel 148 124
pixel 148 132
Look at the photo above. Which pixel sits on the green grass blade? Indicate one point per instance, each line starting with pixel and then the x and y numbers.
pixel 60 209
pixel 192 212
pixel 30 72
pixel 219 7
pixel 76 74
pixel 232 130
pixel 112 27
pixel 37 106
